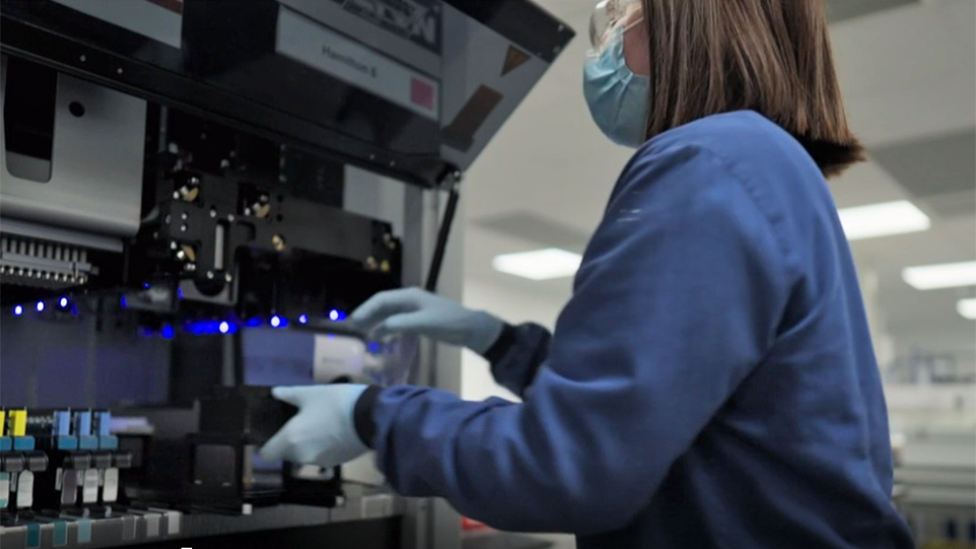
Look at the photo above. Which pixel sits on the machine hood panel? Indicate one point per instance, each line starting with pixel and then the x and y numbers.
pixel 413 89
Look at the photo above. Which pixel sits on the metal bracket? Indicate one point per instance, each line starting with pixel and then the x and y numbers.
pixel 454 194
pixel 95 169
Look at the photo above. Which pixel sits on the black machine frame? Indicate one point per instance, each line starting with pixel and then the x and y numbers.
pixel 183 206
pixel 39 30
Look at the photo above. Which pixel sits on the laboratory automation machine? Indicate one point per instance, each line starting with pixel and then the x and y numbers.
pixel 191 190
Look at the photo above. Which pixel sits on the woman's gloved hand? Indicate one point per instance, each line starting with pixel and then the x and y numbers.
pixel 414 311
pixel 322 432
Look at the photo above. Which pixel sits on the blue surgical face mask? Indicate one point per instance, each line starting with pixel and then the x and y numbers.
pixel 616 96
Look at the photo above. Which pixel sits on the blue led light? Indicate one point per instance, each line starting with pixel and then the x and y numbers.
pixel 40 306
pixel 276 321
pixel 373 347
pixel 179 293
pixel 333 315
pixel 203 327
pixel 63 302
pixel 146 285
pixel 210 327
pixel 303 319
pixel 122 302
pixel 18 310
pixel 167 331
pixel 254 322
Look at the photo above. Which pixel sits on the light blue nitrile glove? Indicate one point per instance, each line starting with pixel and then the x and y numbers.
pixel 415 311
pixel 322 432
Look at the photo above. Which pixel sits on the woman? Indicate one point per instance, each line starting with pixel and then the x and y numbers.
pixel 711 383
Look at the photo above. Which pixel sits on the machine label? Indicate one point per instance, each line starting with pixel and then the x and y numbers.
pixel 329 52
pixel 84 530
pixel 152 525
pixel 89 486
pixel 33 538
pixel 4 489
pixel 161 20
pixel 67 482
pixel 129 525
pixel 110 486
pixel 60 533
pixel 172 522
pixel 416 20
pixel 25 490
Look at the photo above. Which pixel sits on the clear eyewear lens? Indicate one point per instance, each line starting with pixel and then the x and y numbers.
pixel 599 23
pixel 606 16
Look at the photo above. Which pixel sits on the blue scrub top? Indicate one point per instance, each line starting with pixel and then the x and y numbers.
pixel 711 383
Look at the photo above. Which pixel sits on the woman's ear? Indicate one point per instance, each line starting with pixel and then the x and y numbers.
pixel 636 50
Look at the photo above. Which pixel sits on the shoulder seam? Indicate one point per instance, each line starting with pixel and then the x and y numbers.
pixel 774 221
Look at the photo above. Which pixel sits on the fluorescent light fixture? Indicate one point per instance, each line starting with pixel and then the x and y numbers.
pixel 885 219
pixel 934 277
pixel 967 308
pixel 539 264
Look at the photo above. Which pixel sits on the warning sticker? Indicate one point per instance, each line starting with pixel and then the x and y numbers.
pixel 460 133
pixel 514 59
pixel 331 53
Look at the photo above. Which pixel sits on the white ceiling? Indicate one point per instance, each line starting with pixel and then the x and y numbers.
pixel 908 74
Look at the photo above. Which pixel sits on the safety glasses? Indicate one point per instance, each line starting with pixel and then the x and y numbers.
pixel 607 16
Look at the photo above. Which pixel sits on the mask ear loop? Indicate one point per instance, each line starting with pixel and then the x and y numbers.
pixel 632 25
pixel 595 53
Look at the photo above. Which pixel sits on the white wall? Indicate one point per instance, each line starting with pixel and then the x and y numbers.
pixel 514 306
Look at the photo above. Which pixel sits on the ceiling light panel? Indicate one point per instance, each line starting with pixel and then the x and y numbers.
pixel 884 219
pixel 547 264
pixel 934 277
pixel 967 308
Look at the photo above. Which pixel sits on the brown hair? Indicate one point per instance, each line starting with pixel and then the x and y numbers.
pixel 770 56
